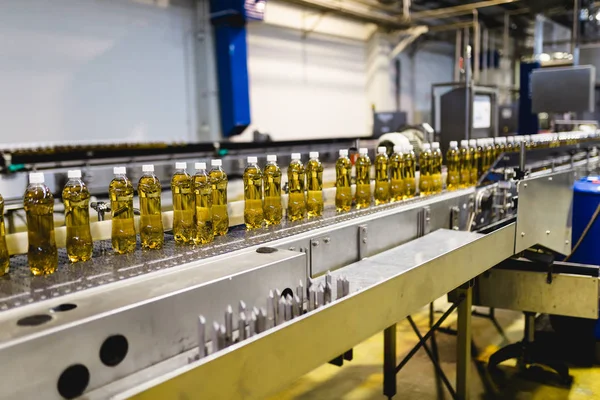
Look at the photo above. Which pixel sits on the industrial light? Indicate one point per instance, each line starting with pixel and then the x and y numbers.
pixel 598 16
pixel 545 57
pixel 260 6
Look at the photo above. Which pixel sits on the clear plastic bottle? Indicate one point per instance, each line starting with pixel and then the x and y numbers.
pixel 273 210
pixel 120 192
pixel 396 174
pixel 253 204
pixel 314 186
pixel 465 164
pixel 4 256
pixel 510 144
pixel 410 166
pixel 475 158
pixel 76 198
pixel 382 177
pixel 38 202
pixel 296 210
pixel 219 181
pixel 481 161
pixel 363 179
pixel 152 234
pixel 489 153
pixel 453 167
pixel 438 160
pixel 343 182
pixel 498 147
pixel 426 170
pixel 204 232
pixel 184 206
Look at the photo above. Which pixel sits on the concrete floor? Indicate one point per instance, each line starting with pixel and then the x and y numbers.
pixel 362 378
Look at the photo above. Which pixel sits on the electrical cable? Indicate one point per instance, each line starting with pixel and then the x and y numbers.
pixel 584 233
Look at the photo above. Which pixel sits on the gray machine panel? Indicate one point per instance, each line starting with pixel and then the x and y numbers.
pixel 565 89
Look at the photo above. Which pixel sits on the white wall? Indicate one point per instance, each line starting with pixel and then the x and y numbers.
pixel 85 70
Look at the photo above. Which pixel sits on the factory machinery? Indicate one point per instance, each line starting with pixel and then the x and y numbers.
pixel 246 315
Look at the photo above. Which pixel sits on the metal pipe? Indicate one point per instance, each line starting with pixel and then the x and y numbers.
pixel 485 47
pixel 457 51
pixel 476 46
pixel 406 9
pixel 538 42
pixel 467 66
pixel 451 27
pixel 575 32
pixel 458 10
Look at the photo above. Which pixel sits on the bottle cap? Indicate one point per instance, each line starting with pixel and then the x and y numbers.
pixel 119 170
pixel 426 146
pixel 464 143
pixel 252 160
pixel 397 149
pixel 381 150
pixel 504 140
pixel 343 152
pixel 510 139
pixel 36 177
pixel 472 142
pixel 180 165
pixel 313 154
pixel 74 174
pixel 271 158
pixel 453 143
pixel 435 145
pixel 200 166
pixel 363 151
pixel 216 163
pixel 497 140
pixel 148 168
pixel 296 156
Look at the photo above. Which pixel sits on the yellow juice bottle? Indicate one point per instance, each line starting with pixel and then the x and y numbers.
pixel 218 182
pixel 296 210
pixel 152 234
pixel 437 167
pixel 4 256
pixel 343 182
pixel 397 174
pixel 510 144
pixel 382 177
pixel 204 232
pixel 453 167
pixel 475 160
pixel 363 179
pixel 410 167
pixel 314 186
pixel 489 153
pixel 426 170
pixel 76 199
pixel 120 192
pixel 465 164
pixel 42 254
pixel 253 204
pixel 273 210
pixel 184 206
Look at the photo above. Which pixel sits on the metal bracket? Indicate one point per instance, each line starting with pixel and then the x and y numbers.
pixel 455 218
pixel 424 221
pixel 363 247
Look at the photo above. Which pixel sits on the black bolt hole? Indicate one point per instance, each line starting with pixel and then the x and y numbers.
pixel 113 350
pixel 34 320
pixel 287 292
pixel 64 307
pixel 266 250
pixel 73 381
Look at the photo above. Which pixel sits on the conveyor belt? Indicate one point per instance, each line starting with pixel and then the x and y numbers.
pixel 19 287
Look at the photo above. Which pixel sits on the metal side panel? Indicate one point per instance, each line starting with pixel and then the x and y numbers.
pixel 569 295
pixel 409 277
pixel 544 212
pixel 158 317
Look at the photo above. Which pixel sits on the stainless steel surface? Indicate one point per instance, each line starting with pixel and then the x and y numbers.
pixel 463 342
pixel 544 212
pixel 570 295
pixel 441 260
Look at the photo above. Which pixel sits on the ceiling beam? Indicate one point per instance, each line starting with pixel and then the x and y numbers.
pixel 454 11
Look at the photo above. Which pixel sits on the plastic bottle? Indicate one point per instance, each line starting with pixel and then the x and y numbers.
pixel 397 174
pixel 363 179
pixel 314 186
pixel 76 198
pixel 498 147
pixel 382 177
pixel 410 161
pixel 489 153
pixel 475 159
pixel 426 170
pixel 120 191
pixel 453 167
pixel 510 144
pixel 204 232
pixel 152 235
pixel 183 204
pixel 38 202
pixel 437 167
pixel 218 182
pixel 343 182
pixel 4 256
pixel 296 210
pixel 273 210
pixel 253 205
pixel 465 164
